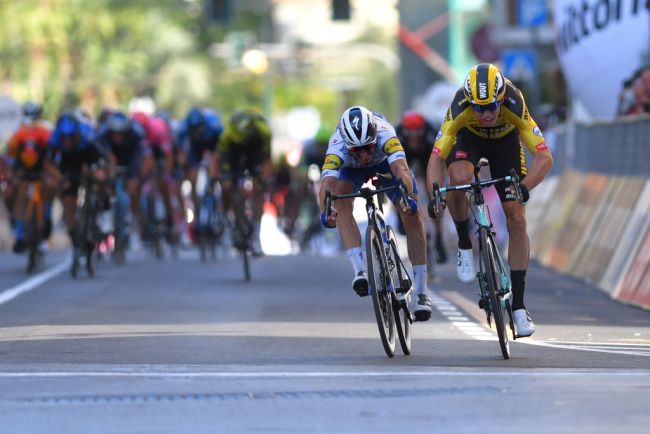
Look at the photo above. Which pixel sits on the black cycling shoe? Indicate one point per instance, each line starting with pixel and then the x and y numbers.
pixel 422 310
pixel 360 284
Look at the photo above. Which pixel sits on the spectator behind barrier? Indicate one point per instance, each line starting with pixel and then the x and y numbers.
pixel 634 98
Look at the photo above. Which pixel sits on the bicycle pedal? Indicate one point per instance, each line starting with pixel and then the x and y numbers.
pixel 422 315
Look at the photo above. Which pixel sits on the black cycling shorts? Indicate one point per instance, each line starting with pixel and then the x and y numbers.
pixel 504 153
pixel 236 160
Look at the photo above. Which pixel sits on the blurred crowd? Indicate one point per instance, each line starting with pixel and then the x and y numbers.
pixel 635 95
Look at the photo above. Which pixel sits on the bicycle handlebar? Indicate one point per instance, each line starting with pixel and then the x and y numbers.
pixel 365 193
pixel 437 190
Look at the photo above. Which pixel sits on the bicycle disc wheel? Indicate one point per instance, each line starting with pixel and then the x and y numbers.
pixel 381 297
pixel 493 285
pixel 402 319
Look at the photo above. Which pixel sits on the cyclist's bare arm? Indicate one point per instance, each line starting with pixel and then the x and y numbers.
pixel 542 164
pixel 435 172
pixel 401 170
pixel 327 183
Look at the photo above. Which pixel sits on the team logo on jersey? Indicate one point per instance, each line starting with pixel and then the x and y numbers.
pixel 332 162
pixel 537 132
pixel 439 135
pixel 393 145
pixel 461 155
pixel 542 146
pixel 436 151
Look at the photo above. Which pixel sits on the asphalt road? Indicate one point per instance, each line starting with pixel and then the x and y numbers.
pixel 177 346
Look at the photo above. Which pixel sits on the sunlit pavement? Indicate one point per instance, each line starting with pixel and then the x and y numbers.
pixel 182 346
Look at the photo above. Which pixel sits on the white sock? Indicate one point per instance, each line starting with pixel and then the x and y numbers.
pixel 356 257
pixel 420 278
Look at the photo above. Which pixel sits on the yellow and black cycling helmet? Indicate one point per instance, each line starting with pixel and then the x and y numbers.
pixel 485 86
pixel 245 124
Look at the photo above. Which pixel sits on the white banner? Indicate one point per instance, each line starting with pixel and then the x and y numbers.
pixel 600 44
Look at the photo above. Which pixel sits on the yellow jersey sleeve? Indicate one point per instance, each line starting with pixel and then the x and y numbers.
pixel 528 130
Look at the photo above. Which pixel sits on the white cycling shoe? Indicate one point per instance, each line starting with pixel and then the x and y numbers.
pixel 465 265
pixel 360 284
pixel 523 323
pixel 421 307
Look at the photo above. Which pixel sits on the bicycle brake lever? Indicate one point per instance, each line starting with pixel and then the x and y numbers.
pixel 328 203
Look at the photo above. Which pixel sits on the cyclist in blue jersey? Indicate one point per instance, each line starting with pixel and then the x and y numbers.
pixel 363 144
pixel 124 142
pixel 72 148
pixel 198 137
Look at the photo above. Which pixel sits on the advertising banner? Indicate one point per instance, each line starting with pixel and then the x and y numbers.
pixel 600 44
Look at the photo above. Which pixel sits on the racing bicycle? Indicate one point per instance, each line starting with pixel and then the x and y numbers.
pixel 389 282
pixel 494 276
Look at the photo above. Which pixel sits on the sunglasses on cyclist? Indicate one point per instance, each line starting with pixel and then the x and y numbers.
pixel 360 149
pixel 487 107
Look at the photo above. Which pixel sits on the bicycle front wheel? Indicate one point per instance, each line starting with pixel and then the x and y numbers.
pixel 381 296
pixel 399 275
pixel 493 284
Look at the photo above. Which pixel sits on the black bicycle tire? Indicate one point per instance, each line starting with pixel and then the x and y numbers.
pixel 508 308
pixel 119 221
pixel 402 321
pixel 32 232
pixel 494 297
pixel 153 226
pixel 384 316
pixel 243 233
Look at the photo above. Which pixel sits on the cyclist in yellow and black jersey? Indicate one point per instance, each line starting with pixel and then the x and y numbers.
pixel 245 144
pixel 488 118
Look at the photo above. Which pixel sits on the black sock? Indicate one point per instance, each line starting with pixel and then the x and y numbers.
pixel 462 229
pixel 518 278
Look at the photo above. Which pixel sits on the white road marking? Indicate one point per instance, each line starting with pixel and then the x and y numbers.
pixel 34 281
pixel 645 374
pixel 478 331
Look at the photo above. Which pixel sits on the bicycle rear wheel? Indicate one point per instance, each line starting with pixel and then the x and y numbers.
pixel 493 291
pixel 401 312
pixel 381 296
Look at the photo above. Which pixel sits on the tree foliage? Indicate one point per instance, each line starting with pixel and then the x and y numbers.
pixel 99 53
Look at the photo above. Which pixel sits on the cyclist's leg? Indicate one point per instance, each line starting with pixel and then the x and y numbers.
pixel 428 229
pixel 69 200
pixel 50 187
pixel 351 180
pixel 18 213
pixel 259 188
pixel 417 252
pixel 166 186
pixel 460 163
pixel 510 154
pixel 193 161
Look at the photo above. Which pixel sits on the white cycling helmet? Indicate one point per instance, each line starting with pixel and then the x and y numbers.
pixel 358 127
